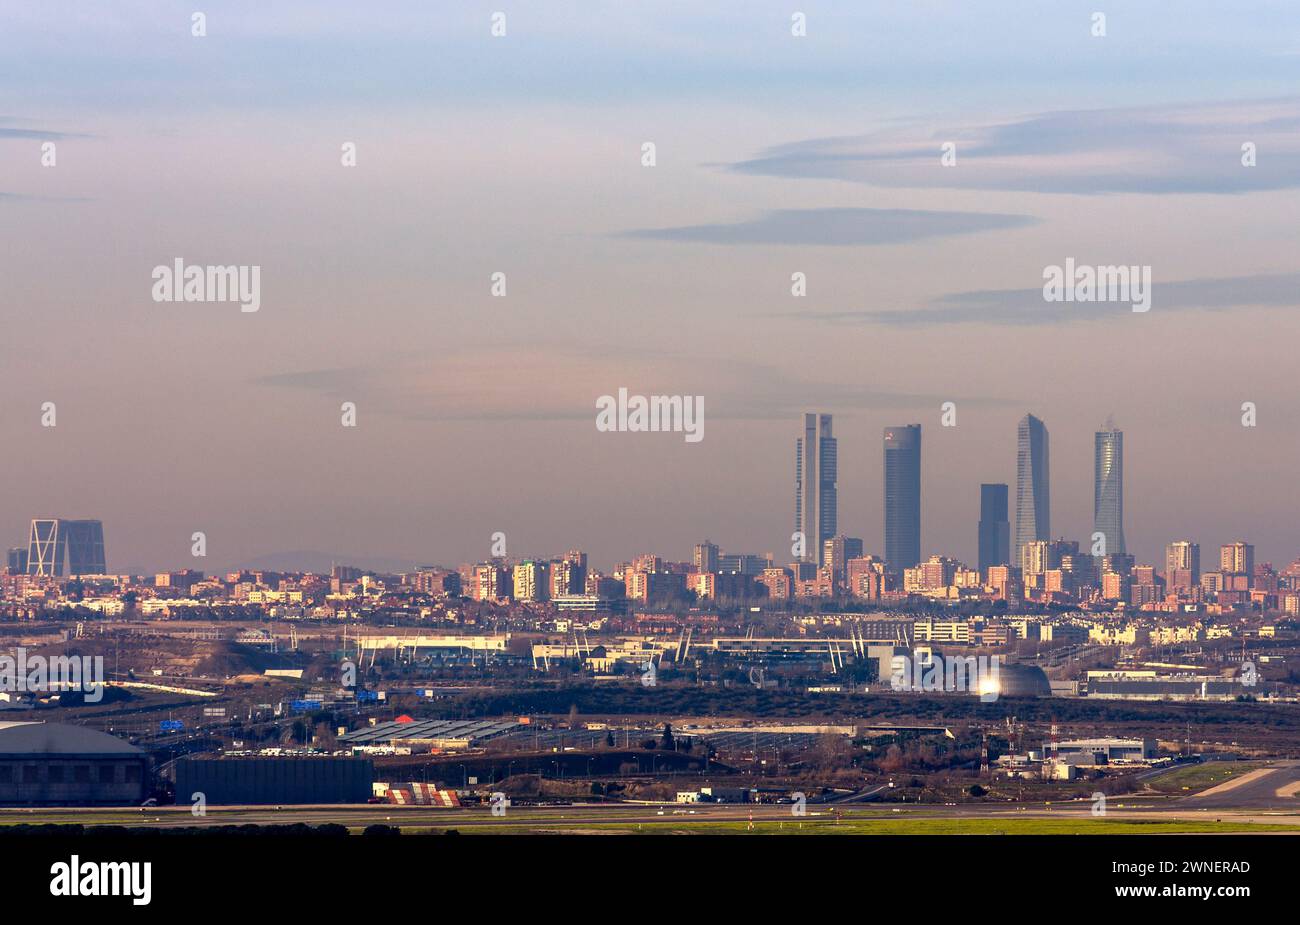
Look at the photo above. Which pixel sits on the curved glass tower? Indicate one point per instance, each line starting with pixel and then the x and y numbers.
pixel 1108 489
pixel 1033 486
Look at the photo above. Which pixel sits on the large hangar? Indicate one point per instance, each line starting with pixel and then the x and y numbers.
pixel 243 781
pixel 55 764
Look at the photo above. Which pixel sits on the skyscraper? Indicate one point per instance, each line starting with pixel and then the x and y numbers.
pixel 52 540
pixel 902 496
pixel 45 552
pixel 18 560
pixel 1033 486
pixel 85 543
pixel 1108 489
pixel 815 498
pixel 995 528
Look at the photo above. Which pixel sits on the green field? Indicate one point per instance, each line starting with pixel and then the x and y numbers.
pixel 1197 777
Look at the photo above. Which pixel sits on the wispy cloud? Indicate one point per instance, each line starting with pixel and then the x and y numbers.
pixel 1171 149
pixel 1027 306
pixel 537 384
pixel 838 227
pixel 9 130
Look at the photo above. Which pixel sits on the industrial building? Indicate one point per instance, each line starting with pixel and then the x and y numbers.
pixel 429 734
pixel 1102 751
pixel 1172 687
pixel 54 764
pixel 246 781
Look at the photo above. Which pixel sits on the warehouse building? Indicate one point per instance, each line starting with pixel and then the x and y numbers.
pixel 1102 751
pixel 423 735
pixel 251 781
pixel 54 764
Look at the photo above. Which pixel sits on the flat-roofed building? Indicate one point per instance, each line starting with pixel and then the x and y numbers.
pixel 1111 749
pixel 52 763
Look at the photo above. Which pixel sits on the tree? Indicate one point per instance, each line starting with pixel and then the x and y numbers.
pixel 666 742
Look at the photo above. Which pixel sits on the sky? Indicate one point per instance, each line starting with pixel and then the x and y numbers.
pixel 522 154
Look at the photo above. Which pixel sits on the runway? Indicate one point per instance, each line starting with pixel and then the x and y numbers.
pixel 1267 796
pixel 1270 789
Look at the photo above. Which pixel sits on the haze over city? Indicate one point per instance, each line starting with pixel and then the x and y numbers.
pixel 476 414
pixel 592 418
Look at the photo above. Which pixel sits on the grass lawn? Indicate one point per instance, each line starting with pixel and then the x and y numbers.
pixel 1197 777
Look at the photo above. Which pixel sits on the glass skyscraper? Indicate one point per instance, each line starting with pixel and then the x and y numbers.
pixel 816 500
pixel 1033 485
pixel 995 528
pixel 902 496
pixel 1108 489
pixel 52 540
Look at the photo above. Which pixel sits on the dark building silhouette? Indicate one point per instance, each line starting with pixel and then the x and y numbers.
pixel 903 496
pixel 995 528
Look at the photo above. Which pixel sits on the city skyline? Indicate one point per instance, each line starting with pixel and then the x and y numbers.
pixel 923 282
pixel 1033 465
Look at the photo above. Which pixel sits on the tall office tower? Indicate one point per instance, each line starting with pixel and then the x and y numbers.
pixel 1237 557
pixel 815 498
pixel 706 557
pixel 902 497
pixel 1033 486
pixel 45 551
pixel 18 560
pixel 1108 488
pixel 84 540
pixel 995 528
pixel 53 540
pixel 1183 556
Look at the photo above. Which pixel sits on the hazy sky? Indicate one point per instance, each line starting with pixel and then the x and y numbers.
pixel 522 154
